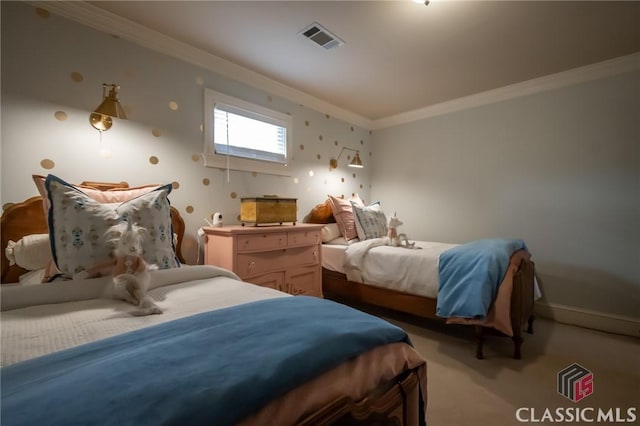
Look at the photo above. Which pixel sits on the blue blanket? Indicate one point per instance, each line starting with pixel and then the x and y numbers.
pixel 213 368
pixel 470 275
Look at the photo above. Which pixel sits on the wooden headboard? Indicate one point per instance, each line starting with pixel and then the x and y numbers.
pixel 28 218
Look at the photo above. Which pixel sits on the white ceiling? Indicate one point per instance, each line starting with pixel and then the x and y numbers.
pixel 399 56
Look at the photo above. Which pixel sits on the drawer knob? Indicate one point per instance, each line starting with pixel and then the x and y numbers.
pixel 252 265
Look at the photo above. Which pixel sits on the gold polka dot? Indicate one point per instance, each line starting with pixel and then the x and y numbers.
pixel 306 123
pixel 47 164
pixel 301 147
pixel 318 156
pixel 77 77
pixel 60 115
pixel 369 153
pixel 296 180
pixel 361 186
pixel 43 13
pixel 234 195
pixel 199 81
pixel 288 113
pixel 156 132
pixel 254 174
pixel 189 209
pixel 175 185
pixel 335 143
pixel 320 137
pixel 6 206
pixel 269 98
pixel 195 157
pixel 361 142
pixel 206 182
pixel 354 175
pixel 352 128
pixel 116 36
pixel 370 132
pixel 238 218
pixel 342 180
pixel 327 115
pixel 311 173
pixel 173 105
pixel 201 128
pixel 153 159
pixel 353 194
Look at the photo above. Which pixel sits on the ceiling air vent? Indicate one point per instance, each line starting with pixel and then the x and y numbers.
pixel 322 36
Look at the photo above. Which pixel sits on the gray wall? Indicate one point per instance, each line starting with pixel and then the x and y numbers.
pixel 560 169
pixel 52 72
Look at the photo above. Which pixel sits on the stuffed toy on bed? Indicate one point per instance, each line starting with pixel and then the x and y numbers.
pixel 395 239
pixel 131 273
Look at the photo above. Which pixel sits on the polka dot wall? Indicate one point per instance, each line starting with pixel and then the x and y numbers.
pixel 46 124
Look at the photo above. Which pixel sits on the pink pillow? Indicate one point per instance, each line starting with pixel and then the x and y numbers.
pixel 116 195
pixel 343 213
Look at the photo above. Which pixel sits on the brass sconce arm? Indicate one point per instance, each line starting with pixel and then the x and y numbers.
pixel 355 162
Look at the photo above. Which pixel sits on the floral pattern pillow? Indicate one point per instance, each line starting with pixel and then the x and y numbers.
pixel 371 221
pixel 78 224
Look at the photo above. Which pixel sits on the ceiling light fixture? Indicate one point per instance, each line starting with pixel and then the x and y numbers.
pixel 355 162
pixel 100 118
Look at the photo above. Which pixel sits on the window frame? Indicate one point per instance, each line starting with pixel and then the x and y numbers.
pixel 223 161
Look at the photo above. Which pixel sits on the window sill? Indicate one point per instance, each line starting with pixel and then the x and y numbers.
pixel 245 165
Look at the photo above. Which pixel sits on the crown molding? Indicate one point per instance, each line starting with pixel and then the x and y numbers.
pixel 110 23
pixel 583 74
pixel 104 21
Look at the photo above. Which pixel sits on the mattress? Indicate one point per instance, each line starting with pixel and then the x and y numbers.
pixel 412 271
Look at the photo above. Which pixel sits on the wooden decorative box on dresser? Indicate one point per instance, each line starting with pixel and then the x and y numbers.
pixel 285 257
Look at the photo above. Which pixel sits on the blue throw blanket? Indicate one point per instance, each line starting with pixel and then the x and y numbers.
pixel 213 368
pixel 470 275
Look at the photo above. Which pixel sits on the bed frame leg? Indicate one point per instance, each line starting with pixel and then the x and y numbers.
pixel 530 324
pixel 479 341
pixel 517 345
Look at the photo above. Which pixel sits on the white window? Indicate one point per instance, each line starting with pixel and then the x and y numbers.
pixel 239 135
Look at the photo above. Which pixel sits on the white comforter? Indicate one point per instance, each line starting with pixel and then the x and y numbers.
pixel 45 318
pixel 412 271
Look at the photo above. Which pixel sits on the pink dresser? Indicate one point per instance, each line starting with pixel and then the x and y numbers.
pixel 285 257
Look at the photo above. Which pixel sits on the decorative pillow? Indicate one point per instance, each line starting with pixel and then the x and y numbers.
pixel 330 232
pixel 322 213
pixel 370 221
pixel 31 252
pixel 115 195
pixel 78 223
pixel 343 212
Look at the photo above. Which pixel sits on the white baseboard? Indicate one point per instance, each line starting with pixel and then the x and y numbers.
pixel 589 319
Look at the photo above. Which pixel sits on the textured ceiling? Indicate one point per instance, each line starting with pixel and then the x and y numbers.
pixel 399 55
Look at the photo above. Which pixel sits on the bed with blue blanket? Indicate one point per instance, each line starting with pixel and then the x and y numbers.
pixel 486 283
pixel 222 352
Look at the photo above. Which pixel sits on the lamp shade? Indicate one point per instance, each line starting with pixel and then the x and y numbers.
pixel 356 162
pixel 110 105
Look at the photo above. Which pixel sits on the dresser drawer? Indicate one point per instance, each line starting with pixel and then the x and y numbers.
pixel 274 280
pixel 303 238
pixel 302 256
pixel 263 241
pixel 249 264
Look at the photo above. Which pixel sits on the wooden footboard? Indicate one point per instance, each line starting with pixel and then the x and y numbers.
pixel 394 403
pixel 336 285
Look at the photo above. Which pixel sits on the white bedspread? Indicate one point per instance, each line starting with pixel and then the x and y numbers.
pixel 412 271
pixel 35 323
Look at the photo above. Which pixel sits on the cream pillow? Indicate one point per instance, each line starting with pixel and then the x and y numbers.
pixel 31 252
pixel 330 232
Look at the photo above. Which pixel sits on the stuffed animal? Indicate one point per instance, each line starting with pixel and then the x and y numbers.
pixel 130 271
pixel 395 239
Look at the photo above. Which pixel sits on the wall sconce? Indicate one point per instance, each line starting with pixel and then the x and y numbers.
pixel 355 162
pixel 100 118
